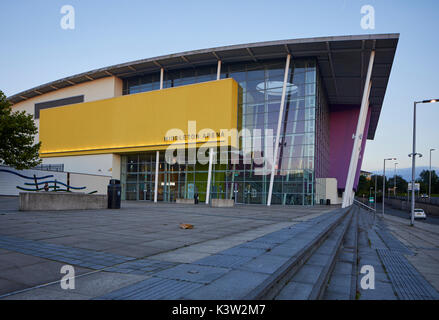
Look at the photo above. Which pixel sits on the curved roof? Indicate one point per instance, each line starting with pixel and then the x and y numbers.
pixel 342 62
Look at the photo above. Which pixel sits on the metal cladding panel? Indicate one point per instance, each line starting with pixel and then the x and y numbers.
pixel 343 123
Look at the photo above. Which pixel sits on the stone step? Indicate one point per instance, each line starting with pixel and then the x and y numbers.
pixel 309 282
pixel 263 276
pixel 342 284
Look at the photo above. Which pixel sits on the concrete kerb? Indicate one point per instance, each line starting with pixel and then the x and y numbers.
pixel 222 203
pixel 48 201
pixel 269 288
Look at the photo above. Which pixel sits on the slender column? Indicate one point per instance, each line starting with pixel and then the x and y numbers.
pixel 157 153
pixel 347 196
pixel 376 186
pixel 218 70
pixel 362 124
pixel 232 188
pixel 412 215
pixel 162 71
pixel 429 178
pixel 156 185
pixel 209 175
pixel 384 183
pixel 279 124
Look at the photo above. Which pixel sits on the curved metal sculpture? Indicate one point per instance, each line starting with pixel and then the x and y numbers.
pixel 55 182
pixel 36 183
pixel 26 177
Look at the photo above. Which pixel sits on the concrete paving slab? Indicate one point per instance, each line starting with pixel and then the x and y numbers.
pixel 308 274
pixel 341 281
pixel 180 257
pixel 37 274
pixel 193 273
pixel 48 294
pixel 319 259
pixel 244 251
pixel 18 260
pixel 233 285
pixel 343 268
pixel 295 291
pixel 7 285
pixel 226 261
pixel 266 263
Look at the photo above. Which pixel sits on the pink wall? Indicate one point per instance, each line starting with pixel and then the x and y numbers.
pixel 342 125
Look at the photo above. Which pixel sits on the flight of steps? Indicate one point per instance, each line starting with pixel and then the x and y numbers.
pixel 329 272
pixel 304 261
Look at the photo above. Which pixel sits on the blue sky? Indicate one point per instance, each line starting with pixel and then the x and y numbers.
pixel 36 50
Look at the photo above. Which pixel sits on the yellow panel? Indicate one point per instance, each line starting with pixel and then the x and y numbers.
pixel 138 122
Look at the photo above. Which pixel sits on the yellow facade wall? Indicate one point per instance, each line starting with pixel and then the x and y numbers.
pixel 137 122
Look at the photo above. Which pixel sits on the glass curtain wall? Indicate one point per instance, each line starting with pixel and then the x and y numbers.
pixel 258 108
pixel 174 181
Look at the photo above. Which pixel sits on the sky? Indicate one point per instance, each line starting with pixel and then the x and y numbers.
pixel 36 50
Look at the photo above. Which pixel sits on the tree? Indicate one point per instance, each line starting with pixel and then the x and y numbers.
pixel 401 184
pixel 17 132
pixel 424 177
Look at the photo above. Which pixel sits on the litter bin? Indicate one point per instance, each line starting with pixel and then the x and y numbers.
pixel 113 194
pixel 196 198
pixel 328 202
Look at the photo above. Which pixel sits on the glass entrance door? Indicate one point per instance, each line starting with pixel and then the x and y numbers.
pixel 145 187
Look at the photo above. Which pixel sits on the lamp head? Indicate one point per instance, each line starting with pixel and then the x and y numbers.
pixel 430 101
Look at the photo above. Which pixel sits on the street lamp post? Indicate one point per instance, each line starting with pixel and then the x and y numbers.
pixel 413 155
pixel 384 180
pixel 429 178
pixel 394 182
pixel 376 186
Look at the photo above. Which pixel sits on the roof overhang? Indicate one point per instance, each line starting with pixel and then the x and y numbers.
pixel 342 60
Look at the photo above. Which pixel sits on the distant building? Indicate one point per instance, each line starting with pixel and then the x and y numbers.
pixel 366 174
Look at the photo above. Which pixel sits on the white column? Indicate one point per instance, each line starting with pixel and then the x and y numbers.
pixel 156 185
pixel 362 123
pixel 218 70
pixel 209 175
pixel 348 193
pixel 161 78
pixel 279 124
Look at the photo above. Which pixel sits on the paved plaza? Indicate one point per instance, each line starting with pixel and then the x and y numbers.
pixel 114 248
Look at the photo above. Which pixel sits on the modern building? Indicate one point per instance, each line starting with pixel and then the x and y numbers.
pixel 314 101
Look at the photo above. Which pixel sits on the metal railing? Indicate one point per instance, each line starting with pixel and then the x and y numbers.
pixel 365 206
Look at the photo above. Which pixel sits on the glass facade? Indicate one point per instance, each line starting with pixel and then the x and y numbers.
pixel 303 145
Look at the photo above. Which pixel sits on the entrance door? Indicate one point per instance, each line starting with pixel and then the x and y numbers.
pixel 170 183
pixel 145 188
